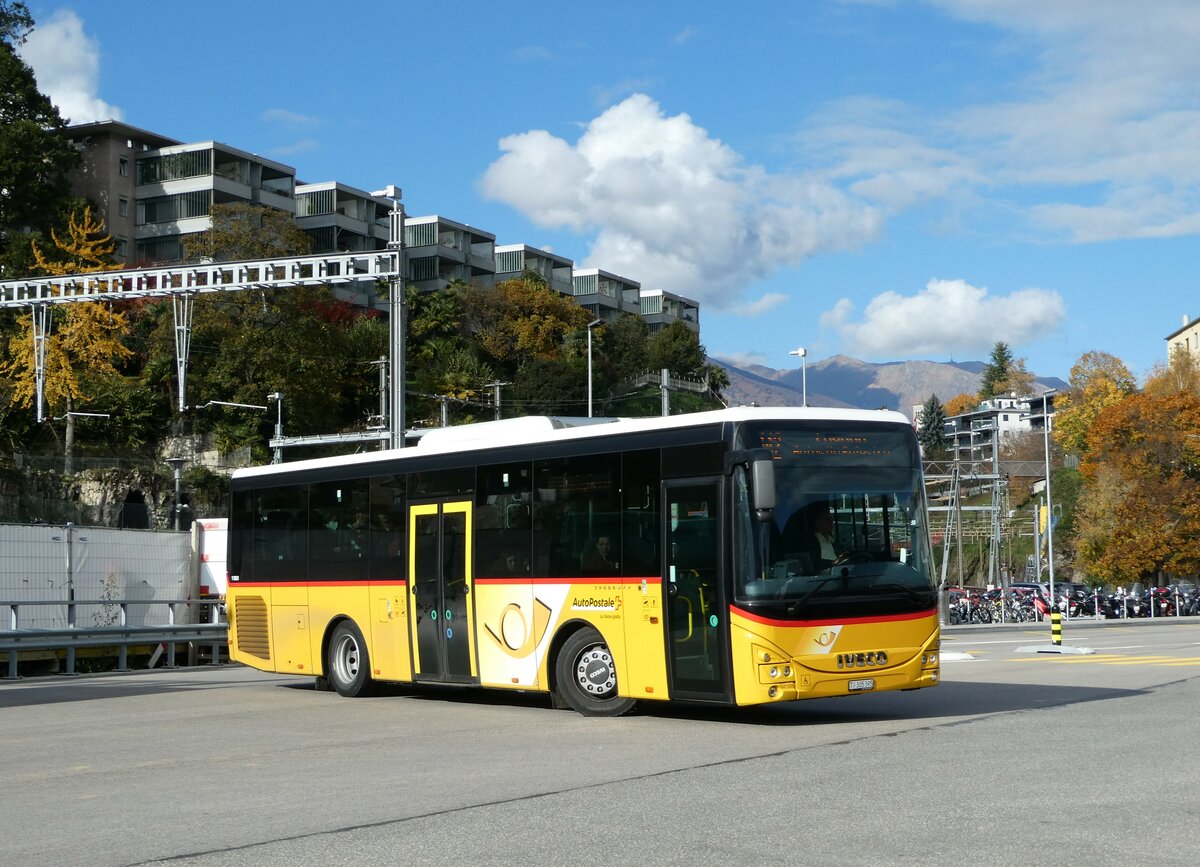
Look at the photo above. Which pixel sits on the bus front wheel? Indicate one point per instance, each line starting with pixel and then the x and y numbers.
pixel 586 676
pixel 348 666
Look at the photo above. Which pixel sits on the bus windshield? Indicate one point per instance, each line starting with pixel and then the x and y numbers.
pixel 848 537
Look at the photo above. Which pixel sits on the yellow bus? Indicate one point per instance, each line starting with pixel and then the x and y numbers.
pixel 736 557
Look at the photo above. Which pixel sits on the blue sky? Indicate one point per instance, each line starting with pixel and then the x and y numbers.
pixel 886 179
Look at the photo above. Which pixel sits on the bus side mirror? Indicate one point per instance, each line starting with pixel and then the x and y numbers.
pixel 762 483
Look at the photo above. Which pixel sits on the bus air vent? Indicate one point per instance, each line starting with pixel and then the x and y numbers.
pixel 250 620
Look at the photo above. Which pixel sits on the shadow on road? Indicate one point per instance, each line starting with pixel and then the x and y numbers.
pixel 947 701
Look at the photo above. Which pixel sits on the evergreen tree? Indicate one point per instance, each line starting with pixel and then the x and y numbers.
pixel 932 432
pixel 995 375
pixel 34 157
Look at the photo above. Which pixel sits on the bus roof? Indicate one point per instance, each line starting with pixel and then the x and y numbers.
pixel 532 430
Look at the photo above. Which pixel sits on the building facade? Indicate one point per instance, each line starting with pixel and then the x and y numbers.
pixel 151 192
pixel 1187 336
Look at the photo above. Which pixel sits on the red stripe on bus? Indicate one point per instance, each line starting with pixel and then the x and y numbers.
pixel 568 580
pixel 888 618
pixel 380 583
pixel 650 579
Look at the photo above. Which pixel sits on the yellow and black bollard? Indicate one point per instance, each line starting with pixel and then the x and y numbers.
pixel 1056 625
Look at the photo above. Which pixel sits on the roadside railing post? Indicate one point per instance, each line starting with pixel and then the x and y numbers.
pixel 171 644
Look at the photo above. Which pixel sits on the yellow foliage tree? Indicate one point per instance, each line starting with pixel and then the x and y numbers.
pixel 961 403
pixel 89 336
pixel 1098 381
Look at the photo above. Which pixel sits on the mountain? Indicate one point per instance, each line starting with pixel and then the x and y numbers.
pixel 842 381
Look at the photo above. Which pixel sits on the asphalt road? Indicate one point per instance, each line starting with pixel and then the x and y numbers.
pixel 1017 758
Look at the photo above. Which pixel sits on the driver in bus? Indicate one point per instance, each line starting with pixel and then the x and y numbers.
pixel 820 542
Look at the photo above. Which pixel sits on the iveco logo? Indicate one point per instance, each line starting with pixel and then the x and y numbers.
pixel 862 660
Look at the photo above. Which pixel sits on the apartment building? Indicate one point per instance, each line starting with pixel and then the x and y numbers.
pixel 440 251
pixel 152 191
pixel 342 219
pixel 976 436
pixel 106 175
pixel 1187 336
pixel 660 308
pixel 605 295
pixel 513 260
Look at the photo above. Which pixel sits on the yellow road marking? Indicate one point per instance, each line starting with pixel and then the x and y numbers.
pixel 1175 661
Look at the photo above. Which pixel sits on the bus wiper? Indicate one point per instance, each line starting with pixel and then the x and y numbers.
pixel 910 592
pixel 804 597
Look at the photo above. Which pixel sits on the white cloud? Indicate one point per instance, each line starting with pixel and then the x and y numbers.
pixel 683 35
pixel 302 146
pixel 764 304
pixel 742 359
pixel 290 118
pixel 66 62
pixel 945 318
pixel 1094 141
pixel 672 205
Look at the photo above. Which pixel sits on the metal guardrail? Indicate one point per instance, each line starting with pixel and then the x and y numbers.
pixel 120 635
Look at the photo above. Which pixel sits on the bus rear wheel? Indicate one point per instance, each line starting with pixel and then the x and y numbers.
pixel 348 665
pixel 586 676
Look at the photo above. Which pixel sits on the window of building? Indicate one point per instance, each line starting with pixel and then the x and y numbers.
pixel 123 167
pixel 122 247
pixel 123 207
pixel 420 235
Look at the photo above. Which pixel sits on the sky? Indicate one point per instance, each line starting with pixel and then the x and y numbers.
pixel 886 179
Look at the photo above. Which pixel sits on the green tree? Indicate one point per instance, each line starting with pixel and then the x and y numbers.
pixel 995 374
pixel 35 157
pixel 932 432
pixel 244 231
pixel 320 352
pixel 677 348
pixel 625 342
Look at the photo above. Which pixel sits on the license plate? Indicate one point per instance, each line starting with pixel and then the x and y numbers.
pixel 860 685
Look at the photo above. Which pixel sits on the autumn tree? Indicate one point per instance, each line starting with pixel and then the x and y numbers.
pixel 1181 373
pixel 1140 510
pixel 1098 381
pixel 520 319
pixel 961 404
pixel 88 340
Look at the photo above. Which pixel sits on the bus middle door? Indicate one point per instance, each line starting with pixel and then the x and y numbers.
pixel 441 610
pixel 695 605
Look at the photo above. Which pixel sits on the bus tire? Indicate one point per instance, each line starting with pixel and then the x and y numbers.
pixel 586 676
pixel 348 666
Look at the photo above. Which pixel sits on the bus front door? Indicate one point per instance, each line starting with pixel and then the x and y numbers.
pixel 695 605
pixel 440 613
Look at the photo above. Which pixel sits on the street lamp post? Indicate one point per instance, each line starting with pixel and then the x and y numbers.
pixel 590 326
pixel 177 466
pixel 277 452
pixel 1049 509
pixel 803 353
